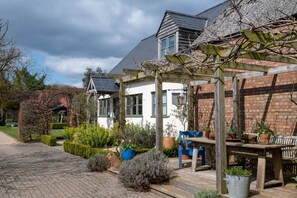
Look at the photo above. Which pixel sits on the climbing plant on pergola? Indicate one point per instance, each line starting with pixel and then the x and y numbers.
pixel 269 49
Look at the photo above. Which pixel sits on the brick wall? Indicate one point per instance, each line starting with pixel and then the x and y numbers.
pixel 262 98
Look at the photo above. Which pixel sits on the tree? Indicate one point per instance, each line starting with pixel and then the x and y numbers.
pixel 9 54
pixel 90 72
pixel 25 81
pixel 79 107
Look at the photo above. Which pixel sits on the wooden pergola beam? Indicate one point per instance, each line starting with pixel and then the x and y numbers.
pixel 245 66
pixel 268 57
pixel 180 77
pixel 132 72
pixel 215 50
pixel 267 38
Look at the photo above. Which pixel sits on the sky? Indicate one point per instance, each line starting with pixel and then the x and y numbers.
pixel 63 37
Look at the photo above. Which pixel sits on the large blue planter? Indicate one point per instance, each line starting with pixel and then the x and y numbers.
pixel 128 154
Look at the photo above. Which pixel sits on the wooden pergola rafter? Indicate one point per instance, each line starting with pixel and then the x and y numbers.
pixel 255 50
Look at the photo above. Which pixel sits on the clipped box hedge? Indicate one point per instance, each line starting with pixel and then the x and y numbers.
pixel 169 152
pixel 57 125
pixel 82 150
pixel 48 140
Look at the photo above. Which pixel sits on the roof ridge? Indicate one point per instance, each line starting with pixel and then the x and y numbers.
pixel 211 8
pixel 184 14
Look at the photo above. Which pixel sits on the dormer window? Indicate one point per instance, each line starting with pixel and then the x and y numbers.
pixel 167 46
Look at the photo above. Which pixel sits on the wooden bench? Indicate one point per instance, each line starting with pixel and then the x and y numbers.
pixel 289 153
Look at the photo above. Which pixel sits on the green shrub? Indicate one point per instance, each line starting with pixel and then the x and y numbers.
pixel 98 162
pixel 145 169
pixel 48 140
pixel 171 152
pixel 69 133
pixel 57 125
pixel 238 171
pixel 141 150
pixel 142 136
pixel 210 193
pixel 82 150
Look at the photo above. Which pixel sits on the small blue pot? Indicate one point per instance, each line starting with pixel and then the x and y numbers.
pixel 128 154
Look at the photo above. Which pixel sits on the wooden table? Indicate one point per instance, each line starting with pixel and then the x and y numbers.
pixel 260 150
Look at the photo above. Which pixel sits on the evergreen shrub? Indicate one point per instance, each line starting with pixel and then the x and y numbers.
pixel 82 150
pixel 98 162
pixel 48 140
pixel 57 125
pixel 148 168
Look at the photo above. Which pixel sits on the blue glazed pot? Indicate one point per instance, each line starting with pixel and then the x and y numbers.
pixel 128 154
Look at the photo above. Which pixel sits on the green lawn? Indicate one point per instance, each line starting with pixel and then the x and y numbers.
pixel 58 133
pixel 11 131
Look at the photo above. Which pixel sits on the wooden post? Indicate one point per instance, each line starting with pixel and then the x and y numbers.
pixel 236 105
pixel 190 107
pixel 122 107
pixel 88 111
pixel 159 112
pixel 95 109
pixel 221 157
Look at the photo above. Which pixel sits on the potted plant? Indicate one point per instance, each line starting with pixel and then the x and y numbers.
pixel 264 132
pixel 238 182
pixel 206 131
pixel 169 136
pixel 232 133
pixel 128 151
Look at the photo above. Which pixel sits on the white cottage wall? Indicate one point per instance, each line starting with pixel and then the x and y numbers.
pixel 146 89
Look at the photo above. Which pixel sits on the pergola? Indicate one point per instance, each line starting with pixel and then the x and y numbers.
pixel 261 51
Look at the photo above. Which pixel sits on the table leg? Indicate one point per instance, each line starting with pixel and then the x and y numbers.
pixel 277 160
pixel 194 157
pixel 261 171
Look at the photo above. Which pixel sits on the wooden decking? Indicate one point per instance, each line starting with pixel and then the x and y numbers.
pixel 186 183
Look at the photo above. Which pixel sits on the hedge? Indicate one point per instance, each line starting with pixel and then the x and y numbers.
pixel 57 125
pixel 48 140
pixel 82 150
pixel 169 152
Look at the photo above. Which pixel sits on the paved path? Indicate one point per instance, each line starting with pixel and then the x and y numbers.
pixel 5 139
pixel 36 171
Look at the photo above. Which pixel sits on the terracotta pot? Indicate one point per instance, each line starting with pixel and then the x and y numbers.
pixel 206 134
pixel 231 136
pixel 264 138
pixel 185 157
pixel 212 135
pixel 168 142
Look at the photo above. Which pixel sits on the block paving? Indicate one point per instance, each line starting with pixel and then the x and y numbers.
pixel 36 171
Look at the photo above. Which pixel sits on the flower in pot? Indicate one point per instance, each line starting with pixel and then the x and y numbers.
pixel 206 131
pixel 169 136
pixel 128 151
pixel 232 133
pixel 238 181
pixel 264 132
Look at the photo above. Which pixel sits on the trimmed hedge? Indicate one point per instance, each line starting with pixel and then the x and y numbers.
pixel 57 125
pixel 48 140
pixel 169 152
pixel 82 150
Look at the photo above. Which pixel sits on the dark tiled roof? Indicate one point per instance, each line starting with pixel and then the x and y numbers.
pixel 105 84
pixel 212 13
pixel 147 49
pixel 258 13
pixel 187 21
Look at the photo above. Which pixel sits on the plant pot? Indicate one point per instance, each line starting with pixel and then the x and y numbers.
pixel 128 154
pixel 168 142
pixel 212 135
pixel 238 186
pixel 231 136
pixel 264 138
pixel 185 157
pixel 206 134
